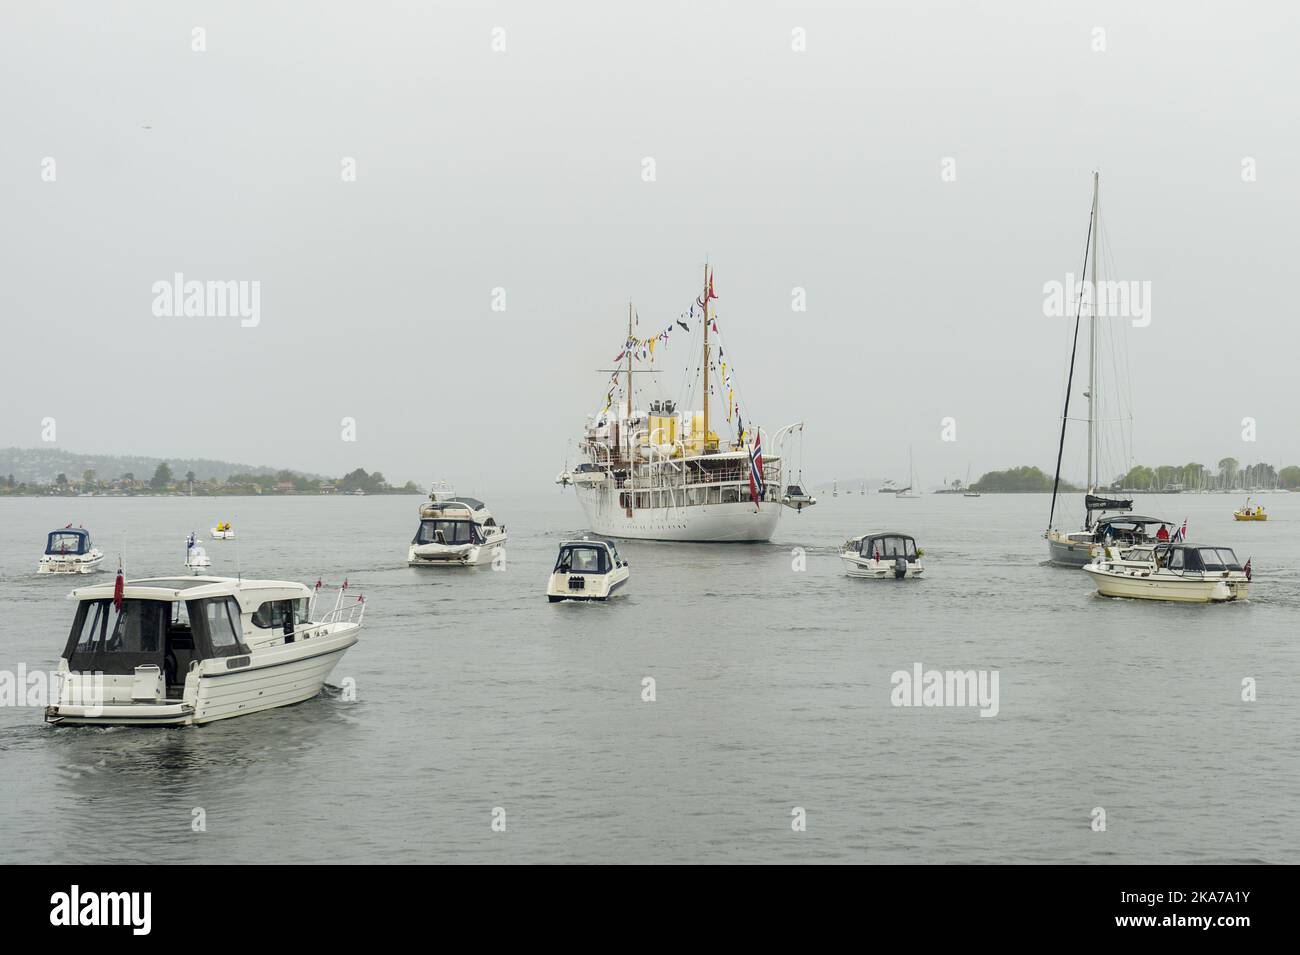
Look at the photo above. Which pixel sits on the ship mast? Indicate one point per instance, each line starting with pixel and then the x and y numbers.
pixel 1092 346
pixel 628 426
pixel 705 440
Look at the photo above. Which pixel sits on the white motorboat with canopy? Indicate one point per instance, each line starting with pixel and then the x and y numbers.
pixel 882 555
pixel 69 551
pixel 1189 573
pixel 587 569
pixel 455 532
pixel 183 650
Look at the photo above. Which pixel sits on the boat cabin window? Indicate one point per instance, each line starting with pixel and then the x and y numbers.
pixel 447 532
pixel 582 560
pixel 225 632
pixel 67 542
pixel 1219 559
pixel 273 614
pixel 1176 560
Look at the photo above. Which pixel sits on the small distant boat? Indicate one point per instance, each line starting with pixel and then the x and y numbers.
pixel 223 531
pixel 587 569
pixel 905 493
pixel 178 651
pixel 1248 513
pixel 69 551
pixel 196 558
pixel 835 488
pixel 796 497
pixel 968 492
pixel 1189 573
pixel 889 487
pixel 883 555
pixel 455 532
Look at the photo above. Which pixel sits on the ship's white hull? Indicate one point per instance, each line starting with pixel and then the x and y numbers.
pixel 730 522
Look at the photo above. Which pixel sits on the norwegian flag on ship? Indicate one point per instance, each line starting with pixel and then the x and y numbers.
pixel 119 586
pixel 1181 533
pixel 756 468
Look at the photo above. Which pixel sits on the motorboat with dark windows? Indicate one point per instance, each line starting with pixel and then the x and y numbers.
pixel 70 551
pixel 1189 573
pixel 455 532
pixel 186 650
pixel 587 569
pixel 886 555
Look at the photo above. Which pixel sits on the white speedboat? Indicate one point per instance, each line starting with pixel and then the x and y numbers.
pixel 196 558
pixel 223 531
pixel 1191 573
pixel 456 532
pixel 587 569
pixel 177 651
pixel 70 551
pixel 884 555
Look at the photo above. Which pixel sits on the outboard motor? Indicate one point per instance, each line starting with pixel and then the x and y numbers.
pixel 900 568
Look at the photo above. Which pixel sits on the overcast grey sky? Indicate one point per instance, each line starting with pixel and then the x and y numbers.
pixel 523 169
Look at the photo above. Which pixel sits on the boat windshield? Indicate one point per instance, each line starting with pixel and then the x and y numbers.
pixel 888 547
pixel 582 559
pixel 446 532
pixel 67 542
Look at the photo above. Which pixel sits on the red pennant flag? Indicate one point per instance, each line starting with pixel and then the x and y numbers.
pixel 361 599
pixel 118 587
pixel 1247 568
pixel 345 583
pixel 318 583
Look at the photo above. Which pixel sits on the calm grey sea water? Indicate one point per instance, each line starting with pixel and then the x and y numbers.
pixel 773 692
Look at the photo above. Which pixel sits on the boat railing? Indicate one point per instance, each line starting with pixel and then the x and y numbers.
pixel 353 611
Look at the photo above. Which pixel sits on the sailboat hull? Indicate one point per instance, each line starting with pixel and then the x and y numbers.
pixel 1063 550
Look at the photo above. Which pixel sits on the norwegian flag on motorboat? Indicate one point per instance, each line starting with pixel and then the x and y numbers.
pixel 1247 568
pixel 756 468
pixel 119 586
pixel 1181 533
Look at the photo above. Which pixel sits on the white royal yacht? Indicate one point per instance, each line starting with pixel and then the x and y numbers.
pixel 70 551
pixel 657 471
pixel 1189 573
pixel 455 531
pixel 179 651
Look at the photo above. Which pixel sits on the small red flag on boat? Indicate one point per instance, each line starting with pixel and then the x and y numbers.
pixel 318 583
pixel 67 527
pixel 361 598
pixel 118 587
pixel 1247 568
pixel 345 583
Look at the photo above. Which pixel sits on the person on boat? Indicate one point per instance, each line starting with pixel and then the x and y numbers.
pixel 1163 533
